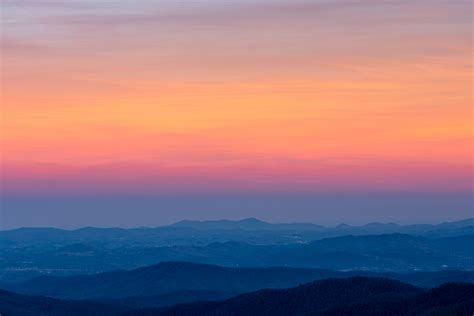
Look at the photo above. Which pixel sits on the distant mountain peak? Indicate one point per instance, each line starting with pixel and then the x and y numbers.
pixel 252 220
pixel 343 225
pixel 378 224
pixel 250 223
pixel 246 223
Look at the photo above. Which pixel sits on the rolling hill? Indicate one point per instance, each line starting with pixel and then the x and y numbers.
pixel 213 282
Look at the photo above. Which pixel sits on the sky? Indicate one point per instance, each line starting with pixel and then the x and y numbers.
pixel 141 113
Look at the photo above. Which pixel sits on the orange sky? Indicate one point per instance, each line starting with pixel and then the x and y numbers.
pixel 236 96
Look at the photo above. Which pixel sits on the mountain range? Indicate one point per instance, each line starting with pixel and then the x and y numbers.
pixel 246 267
pixel 249 230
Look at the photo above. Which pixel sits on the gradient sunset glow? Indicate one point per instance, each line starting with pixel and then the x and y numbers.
pixel 236 98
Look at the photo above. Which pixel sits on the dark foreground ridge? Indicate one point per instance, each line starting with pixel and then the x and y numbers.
pixel 352 296
pixel 348 296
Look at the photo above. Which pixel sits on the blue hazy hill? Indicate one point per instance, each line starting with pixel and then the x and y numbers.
pixel 386 252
